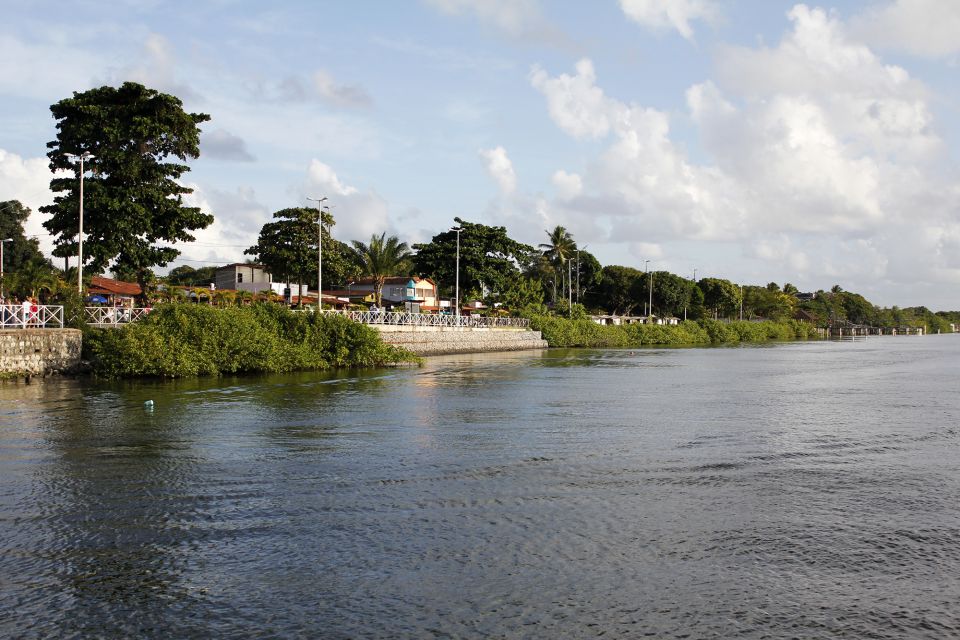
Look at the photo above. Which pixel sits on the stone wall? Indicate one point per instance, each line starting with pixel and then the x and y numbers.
pixel 39 351
pixel 430 341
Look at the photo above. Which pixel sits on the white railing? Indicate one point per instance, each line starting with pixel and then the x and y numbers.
pixel 37 316
pixel 113 316
pixel 430 320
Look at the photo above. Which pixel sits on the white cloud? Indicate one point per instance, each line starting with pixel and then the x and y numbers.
pixel 358 214
pixel 339 94
pixel 822 162
pixel 670 14
pixel 575 103
pixel 568 185
pixel 40 68
pixel 223 145
pixel 500 168
pixel 28 180
pixel 157 70
pixel 927 28
pixel 513 17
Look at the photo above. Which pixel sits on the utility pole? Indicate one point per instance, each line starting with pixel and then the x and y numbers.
pixel 82 156
pixel 319 202
pixel 646 267
pixel 457 297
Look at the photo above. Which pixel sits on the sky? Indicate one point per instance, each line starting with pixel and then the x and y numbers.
pixel 753 140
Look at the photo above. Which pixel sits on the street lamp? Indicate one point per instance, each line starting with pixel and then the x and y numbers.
pixel 646 266
pixel 319 202
pixel 82 156
pixel 2 242
pixel 457 296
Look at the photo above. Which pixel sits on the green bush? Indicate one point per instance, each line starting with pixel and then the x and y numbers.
pixel 178 340
pixel 562 332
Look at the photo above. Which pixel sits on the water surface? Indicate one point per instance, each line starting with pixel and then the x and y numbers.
pixel 797 490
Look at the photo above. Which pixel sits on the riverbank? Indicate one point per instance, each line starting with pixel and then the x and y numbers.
pixel 564 332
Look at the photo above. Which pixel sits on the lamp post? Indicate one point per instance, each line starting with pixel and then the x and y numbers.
pixel 578 275
pixel 646 267
pixel 457 296
pixel 741 302
pixel 2 242
pixel 82 156
pixel 569 288
pixel 319 202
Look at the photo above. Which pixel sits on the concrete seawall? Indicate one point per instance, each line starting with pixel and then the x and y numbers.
pixel 39 352
pixel 432 341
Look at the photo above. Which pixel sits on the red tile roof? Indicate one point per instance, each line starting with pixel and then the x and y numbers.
pixel 107 286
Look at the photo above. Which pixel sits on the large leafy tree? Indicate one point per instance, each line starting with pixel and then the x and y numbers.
pixel 382 258
pixel 670 292
pixel 489 259
pixel 559 250
pixel 614 291
pixel 133 200
pixel 287 246
pixel 721 296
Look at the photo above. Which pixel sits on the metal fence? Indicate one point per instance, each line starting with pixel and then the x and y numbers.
pixel 37 316
pixel 430 320
pixel 113 316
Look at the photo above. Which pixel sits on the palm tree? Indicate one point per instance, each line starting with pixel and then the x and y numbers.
pixel 558 251
pixel 381 258
pixel 35 276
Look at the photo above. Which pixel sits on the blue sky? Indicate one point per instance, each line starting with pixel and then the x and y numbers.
pixel 756 141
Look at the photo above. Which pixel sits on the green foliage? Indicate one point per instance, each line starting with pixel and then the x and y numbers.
pixel 562 332
pixel 519 292
pixel 721 296
pixel 187 276
pixel 288 248
pixel 382 258
pixel 614 291
pixel 178 340
pixel 133 199
pixel 488 258
pixel 558 252
pixel 20 249
pixel 587 275
pixel 768 302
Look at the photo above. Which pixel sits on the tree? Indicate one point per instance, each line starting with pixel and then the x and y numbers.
pixel 133 202
pixel 488 258
pixel 614 291
pixel 719 295
pixel 590 275
pixel 20 249
pixel 187 276
pixel 382 258
pixel 670 292
pixel 520 294
pixel 33 278
pixel 558 251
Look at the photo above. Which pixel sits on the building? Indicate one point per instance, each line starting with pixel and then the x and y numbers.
pixel 402 290
pixel 114 291
pixel 254 278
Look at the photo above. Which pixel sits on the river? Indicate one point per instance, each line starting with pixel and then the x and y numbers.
pixel 793 490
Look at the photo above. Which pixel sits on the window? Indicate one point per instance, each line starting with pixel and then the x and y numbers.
pixel 239 277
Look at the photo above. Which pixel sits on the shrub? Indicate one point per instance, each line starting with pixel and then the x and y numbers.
pixel 178 340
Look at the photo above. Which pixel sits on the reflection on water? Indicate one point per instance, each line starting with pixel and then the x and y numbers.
pixel 806 490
